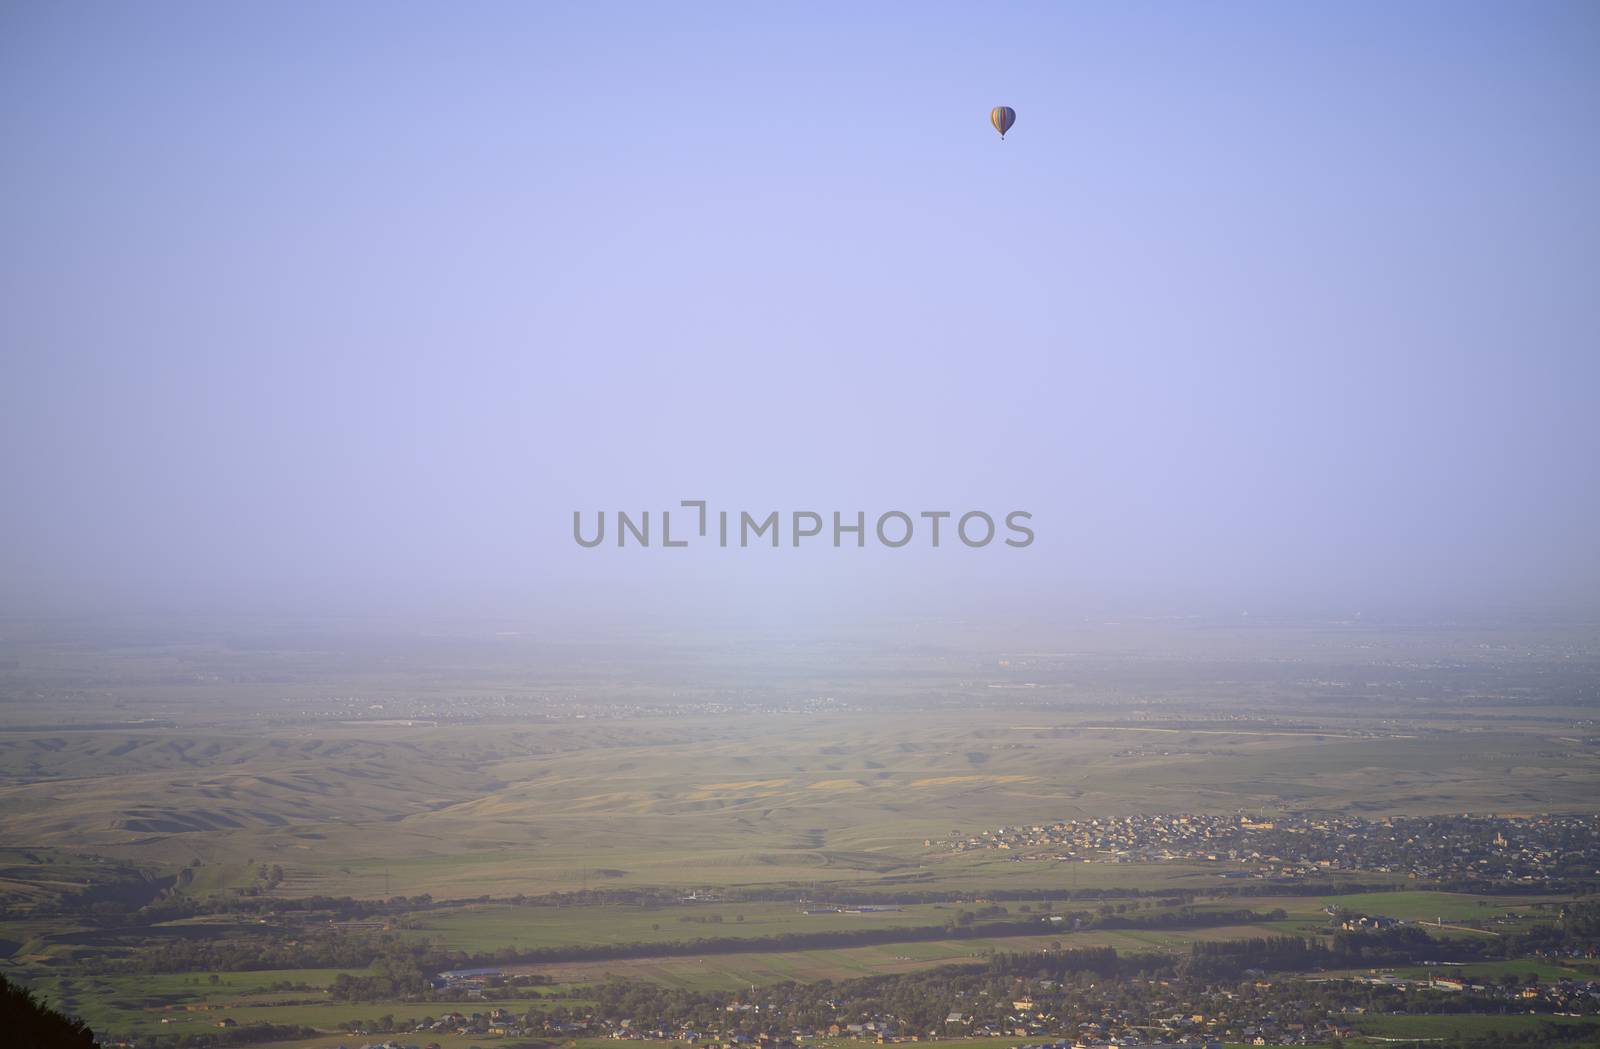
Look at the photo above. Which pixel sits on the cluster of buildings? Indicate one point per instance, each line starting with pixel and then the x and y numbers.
pixel 496 1023
pixel 1558 996
pixel 1162 1018
pixel 1528 849
pixel 1177 1032
pixel 1150 1013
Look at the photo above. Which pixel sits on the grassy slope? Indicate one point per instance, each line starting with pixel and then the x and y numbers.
pixel 463 810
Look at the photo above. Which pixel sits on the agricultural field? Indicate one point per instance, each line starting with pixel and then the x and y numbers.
pixel 482 929
pixel 1424 1028
pixel 462 811
pixel 529 806
pixel 730 972
pixel 1451 906
pixel 1526 970
pixel 185 1003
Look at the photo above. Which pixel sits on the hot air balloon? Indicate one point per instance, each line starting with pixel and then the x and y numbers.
pixel 1002 117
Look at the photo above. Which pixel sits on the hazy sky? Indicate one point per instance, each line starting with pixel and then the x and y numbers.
pixel 352 301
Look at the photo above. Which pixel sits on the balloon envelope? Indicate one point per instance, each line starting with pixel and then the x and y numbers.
pixel 1002 117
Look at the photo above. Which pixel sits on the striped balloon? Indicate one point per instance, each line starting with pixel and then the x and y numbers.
pixel 1002 117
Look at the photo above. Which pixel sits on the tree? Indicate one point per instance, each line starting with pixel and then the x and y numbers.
pixel 30 1022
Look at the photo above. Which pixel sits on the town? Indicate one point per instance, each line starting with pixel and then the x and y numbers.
pixel 1082 999
pixel 1521 849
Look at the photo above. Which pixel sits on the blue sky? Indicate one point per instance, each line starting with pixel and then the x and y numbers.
pixel 1256 302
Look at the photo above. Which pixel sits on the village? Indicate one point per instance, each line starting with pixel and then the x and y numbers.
pixel 1085 1009
pixel 1530 850
pixel 1139 1014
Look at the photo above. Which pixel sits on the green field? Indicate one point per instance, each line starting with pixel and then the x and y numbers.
pixel 487 928
pixel 189 1002
pixel 1523 968
pixel 729 972
pixel 1424 1027
pixel 1430 906
pixel 137 1004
